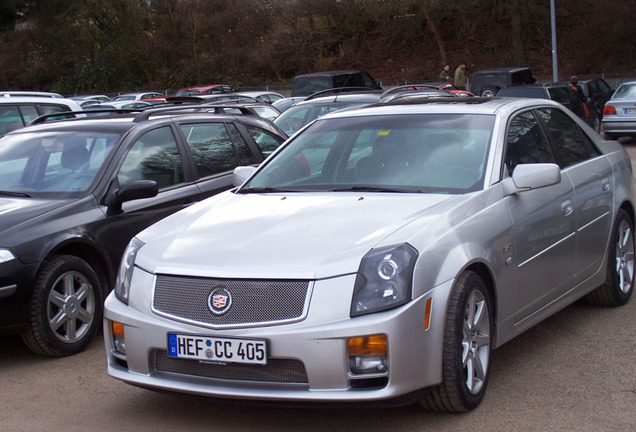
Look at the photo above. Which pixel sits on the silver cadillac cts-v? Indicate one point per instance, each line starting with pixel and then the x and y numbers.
pixel 380 254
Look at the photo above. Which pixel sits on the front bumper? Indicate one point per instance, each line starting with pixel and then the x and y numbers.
pixel 318 344
pixel 16 282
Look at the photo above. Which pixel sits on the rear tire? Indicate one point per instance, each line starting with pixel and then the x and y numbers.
pixel 66 307
pixel 489 91
pixel 619 282
pixel 468 337
pixel 596 124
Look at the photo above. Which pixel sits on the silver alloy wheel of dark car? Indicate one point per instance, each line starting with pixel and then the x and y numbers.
pixel 66 307
pixel 619 283
pixel 71 306
pixel 467 347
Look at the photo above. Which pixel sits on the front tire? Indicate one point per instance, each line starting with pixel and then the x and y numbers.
pixel 468 338
pixel 66 307
pixel 619 282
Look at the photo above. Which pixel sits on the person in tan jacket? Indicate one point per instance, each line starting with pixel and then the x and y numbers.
pixel 460 77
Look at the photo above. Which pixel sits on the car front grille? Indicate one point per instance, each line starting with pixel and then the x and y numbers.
pixel 253 301
pixel 277 371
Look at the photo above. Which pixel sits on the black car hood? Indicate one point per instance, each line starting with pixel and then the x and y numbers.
pixel 15 211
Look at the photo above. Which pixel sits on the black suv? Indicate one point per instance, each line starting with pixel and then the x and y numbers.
pixel 489 82
pixel 305 85
pixel 74 192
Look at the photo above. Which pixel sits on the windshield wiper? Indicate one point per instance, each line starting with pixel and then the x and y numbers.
pixel 259 190
pixel 14 194
pixel 369 189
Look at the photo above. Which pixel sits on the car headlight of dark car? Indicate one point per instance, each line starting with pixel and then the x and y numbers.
pixel 124 275
pixel 384 279
pixel 6 255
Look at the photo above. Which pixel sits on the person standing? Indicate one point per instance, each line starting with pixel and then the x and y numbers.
pixel 577 99
pixel 445 74
pixel 460 77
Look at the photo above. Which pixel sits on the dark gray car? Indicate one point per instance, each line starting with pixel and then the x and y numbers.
pixel 74 192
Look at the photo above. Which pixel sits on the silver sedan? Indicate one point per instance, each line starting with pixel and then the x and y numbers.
pixel 379 255
pixel 619 114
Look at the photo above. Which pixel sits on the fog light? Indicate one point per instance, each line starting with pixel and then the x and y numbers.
pixel 118 337
pixel 368 354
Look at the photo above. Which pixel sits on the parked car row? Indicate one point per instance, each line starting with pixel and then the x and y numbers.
pixel 379 254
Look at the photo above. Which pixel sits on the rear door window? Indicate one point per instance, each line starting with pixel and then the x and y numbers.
pixel 571 144
pixel 10 118
pixel 213 147
pixel 266 141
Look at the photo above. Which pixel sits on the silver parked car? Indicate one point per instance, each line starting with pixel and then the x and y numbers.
pixel 382 253
pixel 619 114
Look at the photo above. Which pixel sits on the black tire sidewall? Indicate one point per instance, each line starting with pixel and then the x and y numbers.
pixel 618 296
pixel 49 273
pixel 454 339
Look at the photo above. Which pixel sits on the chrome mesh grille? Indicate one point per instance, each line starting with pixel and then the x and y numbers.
pixel 253 301
pixel 277 371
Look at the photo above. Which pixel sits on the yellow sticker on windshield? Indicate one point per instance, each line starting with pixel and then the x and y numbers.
pixel 384 132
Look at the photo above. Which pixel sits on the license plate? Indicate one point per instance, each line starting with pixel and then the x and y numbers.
pixel 630 110
pixel 223 350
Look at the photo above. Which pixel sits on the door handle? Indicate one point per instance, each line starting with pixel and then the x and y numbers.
pixel 605 184
pixel 567 207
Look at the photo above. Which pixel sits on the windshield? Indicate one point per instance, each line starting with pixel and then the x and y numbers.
pixel 438 153
pixel 34 164
pixel 294 118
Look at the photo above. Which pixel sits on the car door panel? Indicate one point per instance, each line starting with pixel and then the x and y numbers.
pixel 544 244
pixel 543 220
pixel 593 201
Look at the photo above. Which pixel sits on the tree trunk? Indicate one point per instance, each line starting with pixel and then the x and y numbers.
pixel 518 55
pixel 438 39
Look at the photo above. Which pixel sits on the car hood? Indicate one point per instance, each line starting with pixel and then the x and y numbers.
pixel 293 236
pixel 16 211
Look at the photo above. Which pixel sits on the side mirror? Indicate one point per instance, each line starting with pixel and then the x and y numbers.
pixel 136 190
pixel 241 174
pixel 527 177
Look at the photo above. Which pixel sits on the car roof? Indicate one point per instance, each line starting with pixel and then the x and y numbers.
pixel 503 69
pixel 120 121
pixel 14 93
pixel 365 97
pixel 137 93
pixel 458 105
pixel 329 73
pixel 258 93
pixel 37 99
pixel 203 87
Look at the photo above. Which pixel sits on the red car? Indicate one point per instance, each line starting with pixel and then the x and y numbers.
pixel 205 90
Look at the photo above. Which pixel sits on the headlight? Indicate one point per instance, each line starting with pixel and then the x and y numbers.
pixel 384 279
pixel 6 256
pixel 124 275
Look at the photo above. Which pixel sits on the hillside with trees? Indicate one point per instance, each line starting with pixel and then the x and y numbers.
pixel 87 46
